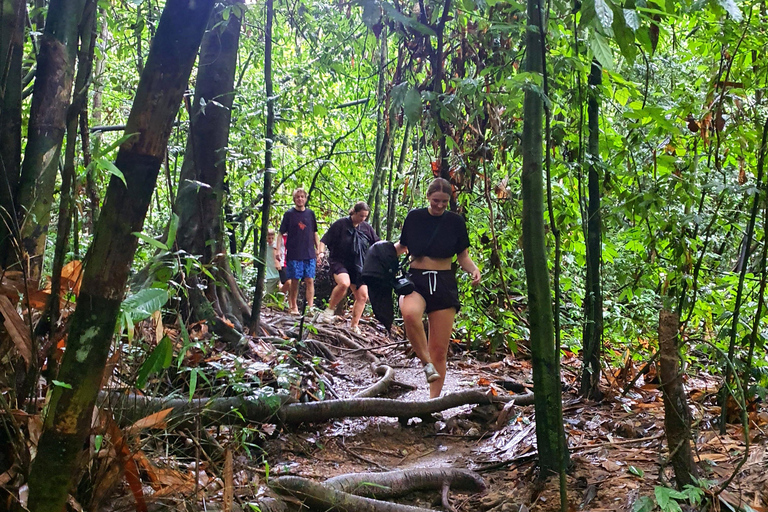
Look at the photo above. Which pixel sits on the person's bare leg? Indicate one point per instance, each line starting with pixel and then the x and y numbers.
pixel 293 295
pixel 440 329
pixel 412 307
pixel 361 297
pixel 342 285
pixel 310 294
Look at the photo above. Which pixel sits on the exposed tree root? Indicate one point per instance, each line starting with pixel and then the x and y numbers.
pixel 321 498
pixel 278 408
pixel 393 484
pixel 387 377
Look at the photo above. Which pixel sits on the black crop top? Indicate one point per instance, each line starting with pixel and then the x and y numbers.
pixel 417 235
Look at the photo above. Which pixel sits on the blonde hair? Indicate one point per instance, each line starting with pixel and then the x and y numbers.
pixel 298 191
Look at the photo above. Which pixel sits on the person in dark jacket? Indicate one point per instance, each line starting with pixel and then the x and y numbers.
pixel 348 240
pixel 432 236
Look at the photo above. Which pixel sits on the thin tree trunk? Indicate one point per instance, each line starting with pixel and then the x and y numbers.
pixel 436 57
pixel 12 19
pixel 68 420
pixel 91 186
pixel 550 435
pixel 593 301
pixel 382 136
pixel 266 202
pixel 68 174
pixel 392 196
pixel 742 275
pixel 677 417
pixel 47 123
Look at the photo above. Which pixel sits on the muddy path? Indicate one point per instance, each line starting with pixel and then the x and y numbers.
pixel 617 447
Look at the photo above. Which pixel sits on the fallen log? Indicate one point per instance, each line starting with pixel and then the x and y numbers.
pixel 282 409
pixel 393 484
pixel 318 497
pixel 128 409
pixel 357 407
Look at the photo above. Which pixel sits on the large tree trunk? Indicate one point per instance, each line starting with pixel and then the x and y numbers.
pixel 677 417
pixel 550 435
pixel 593 302
pixel 47 122
pixel 266 202
pixel 67 423
pixel 11 52
pixel 201 207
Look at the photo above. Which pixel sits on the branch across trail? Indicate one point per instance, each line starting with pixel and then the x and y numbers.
pixel 352 408
pixel 279 409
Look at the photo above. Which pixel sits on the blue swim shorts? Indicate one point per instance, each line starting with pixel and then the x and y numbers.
pixel 299 269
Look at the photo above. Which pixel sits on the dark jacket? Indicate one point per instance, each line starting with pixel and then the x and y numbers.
pixel 379 271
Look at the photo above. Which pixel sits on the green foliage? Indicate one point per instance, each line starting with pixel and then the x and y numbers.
pixel 160 359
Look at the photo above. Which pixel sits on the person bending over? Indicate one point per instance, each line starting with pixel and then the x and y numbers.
pixel 432 236
pixel 300 225
pixel 348 239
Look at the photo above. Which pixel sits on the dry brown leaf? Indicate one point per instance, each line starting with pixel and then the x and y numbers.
pixel 157 316
pixel 17 329
pixel 125 457
pixel 72 276
pixel 156 420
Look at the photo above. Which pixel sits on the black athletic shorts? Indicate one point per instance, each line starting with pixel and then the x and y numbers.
pixel 438 287
pixel 337 267
pixel 283 275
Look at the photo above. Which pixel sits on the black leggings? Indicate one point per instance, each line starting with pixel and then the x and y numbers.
pixel 438 287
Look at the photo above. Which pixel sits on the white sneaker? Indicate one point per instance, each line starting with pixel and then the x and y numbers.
pixel 356 330
pixel 326 317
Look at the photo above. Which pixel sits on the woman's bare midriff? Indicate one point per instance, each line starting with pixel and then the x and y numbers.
pixel 427 263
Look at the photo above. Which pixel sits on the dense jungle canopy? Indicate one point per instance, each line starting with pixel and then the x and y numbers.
pixel 607 155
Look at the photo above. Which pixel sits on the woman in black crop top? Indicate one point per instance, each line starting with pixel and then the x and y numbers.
pixel 432 236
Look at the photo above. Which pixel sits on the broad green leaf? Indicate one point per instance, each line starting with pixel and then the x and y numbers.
pixel 319 110
pixel 732 9
pixel 151 241
pixel 604 13
pixel 173 227
pixel 60 384
pixel 108 149
pixel 587 13
pixel 111 168
pixel 643 504
pixel 632 19
pixel 625 38
pixel 158 360
pixel 601 50
pixel 636 471
pixel 143 303
pixel 412 105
